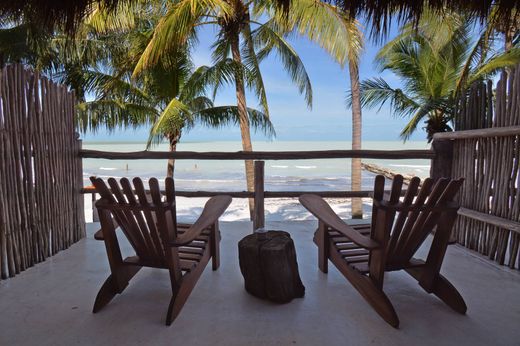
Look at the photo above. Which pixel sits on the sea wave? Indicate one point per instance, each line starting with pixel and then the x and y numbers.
pixel 107 168
pixel 306 167
pixel 410 166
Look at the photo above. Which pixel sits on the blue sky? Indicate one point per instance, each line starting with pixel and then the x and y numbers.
pixel 329 118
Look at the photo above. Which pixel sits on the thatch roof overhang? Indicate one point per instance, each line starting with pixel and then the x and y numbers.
pixel 70 12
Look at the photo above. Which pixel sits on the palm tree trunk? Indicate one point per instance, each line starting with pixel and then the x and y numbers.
pixel 244 121
pixel 173 140
pixel 357 203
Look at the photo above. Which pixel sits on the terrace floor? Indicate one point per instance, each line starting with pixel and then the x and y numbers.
pixel 51 304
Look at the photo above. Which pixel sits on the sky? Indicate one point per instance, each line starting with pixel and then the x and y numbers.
pixel 329 118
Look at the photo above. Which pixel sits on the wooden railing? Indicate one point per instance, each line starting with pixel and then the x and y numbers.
pixel 489 160
pixel 259 194
pixel 446 161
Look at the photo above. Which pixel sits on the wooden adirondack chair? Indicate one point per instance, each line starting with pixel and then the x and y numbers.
pixel 151 228
pixel 363 253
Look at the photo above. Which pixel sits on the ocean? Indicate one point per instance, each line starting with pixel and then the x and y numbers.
pixel 214 175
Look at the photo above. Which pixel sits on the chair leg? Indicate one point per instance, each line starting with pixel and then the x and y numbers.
pixel 173 309
pixel 322 240
pixel 111 287
pixel 182 289
pixel 105 294
pixel 377 299
pixel 444 290
pixel 215 247
pixel 180 295
pixel 368 290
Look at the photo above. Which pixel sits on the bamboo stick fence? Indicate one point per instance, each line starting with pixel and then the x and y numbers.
pixel 486 151
pixel 40 170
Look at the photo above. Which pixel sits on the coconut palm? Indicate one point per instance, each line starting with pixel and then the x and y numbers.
pixel 241 43
pixel 341 36
pixel 23 42
pixel 170 96
pixel 436 61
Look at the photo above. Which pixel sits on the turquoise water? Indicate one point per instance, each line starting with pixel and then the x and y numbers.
pixel 312 175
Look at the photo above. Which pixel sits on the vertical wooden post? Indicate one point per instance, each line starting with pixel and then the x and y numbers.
pixel 259 211
pixel 322 240
pixel 95 215
pixel 442 162
pixel 80 198
pixel 441 166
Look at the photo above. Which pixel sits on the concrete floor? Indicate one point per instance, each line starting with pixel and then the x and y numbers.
pixel 51 303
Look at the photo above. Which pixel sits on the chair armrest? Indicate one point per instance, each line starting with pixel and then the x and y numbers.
pixel 213 209
pixel 321 209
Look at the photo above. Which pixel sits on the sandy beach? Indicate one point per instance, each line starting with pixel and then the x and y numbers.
pixel 276 209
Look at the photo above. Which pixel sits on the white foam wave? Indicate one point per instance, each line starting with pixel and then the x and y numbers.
pixel 107 168
pixel 279 166
pixel 306 167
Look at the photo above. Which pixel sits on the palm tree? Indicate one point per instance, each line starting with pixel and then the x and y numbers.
pixel 169 96
pixel 341 36
pixel 241 44
pixel 23 42
pixel 436 61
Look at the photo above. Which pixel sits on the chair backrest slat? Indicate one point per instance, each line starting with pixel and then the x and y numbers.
pixel 418 214
pixel 421 224
pixel 410 220
pixel 417 238
pixel 143 227
pixel 149 216
pixel 125 218
pixel 107 196
pixel 147 222
pixel 379 191
pixel 411 192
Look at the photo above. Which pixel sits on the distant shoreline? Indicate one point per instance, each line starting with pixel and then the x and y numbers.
pixel 101 142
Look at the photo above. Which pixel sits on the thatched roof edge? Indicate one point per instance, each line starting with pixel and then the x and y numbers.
pixel 70 12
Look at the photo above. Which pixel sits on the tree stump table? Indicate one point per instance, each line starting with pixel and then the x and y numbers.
pixel 268 264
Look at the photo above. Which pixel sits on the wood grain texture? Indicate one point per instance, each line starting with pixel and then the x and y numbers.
pixel 363 253
pixel 267 194
pixel 487 154
pixel 260 155
pixel 149 223
pixel 259 199
pixel 268 264
pixel 40 170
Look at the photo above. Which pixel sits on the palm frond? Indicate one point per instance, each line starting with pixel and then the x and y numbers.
pixel 105 20
pixel 326 25
pixel 113 114
pixel 221 116
pixel 254 79
pixel 377 92
pixel 172 120
pixel 267 40
pixel 496 63
pixel 176 28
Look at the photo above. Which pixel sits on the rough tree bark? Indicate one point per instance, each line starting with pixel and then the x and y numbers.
pixel 173 139
pixel 357 203
pixel 244 121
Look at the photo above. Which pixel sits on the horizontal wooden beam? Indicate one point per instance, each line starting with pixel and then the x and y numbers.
pixel 324 194
pixel 267 194
pixel 491 219
pixel 259 155
pixel 479 133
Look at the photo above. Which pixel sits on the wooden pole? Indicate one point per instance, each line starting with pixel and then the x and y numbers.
pixel 442 162
pixel 259 209
pixel 260 155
